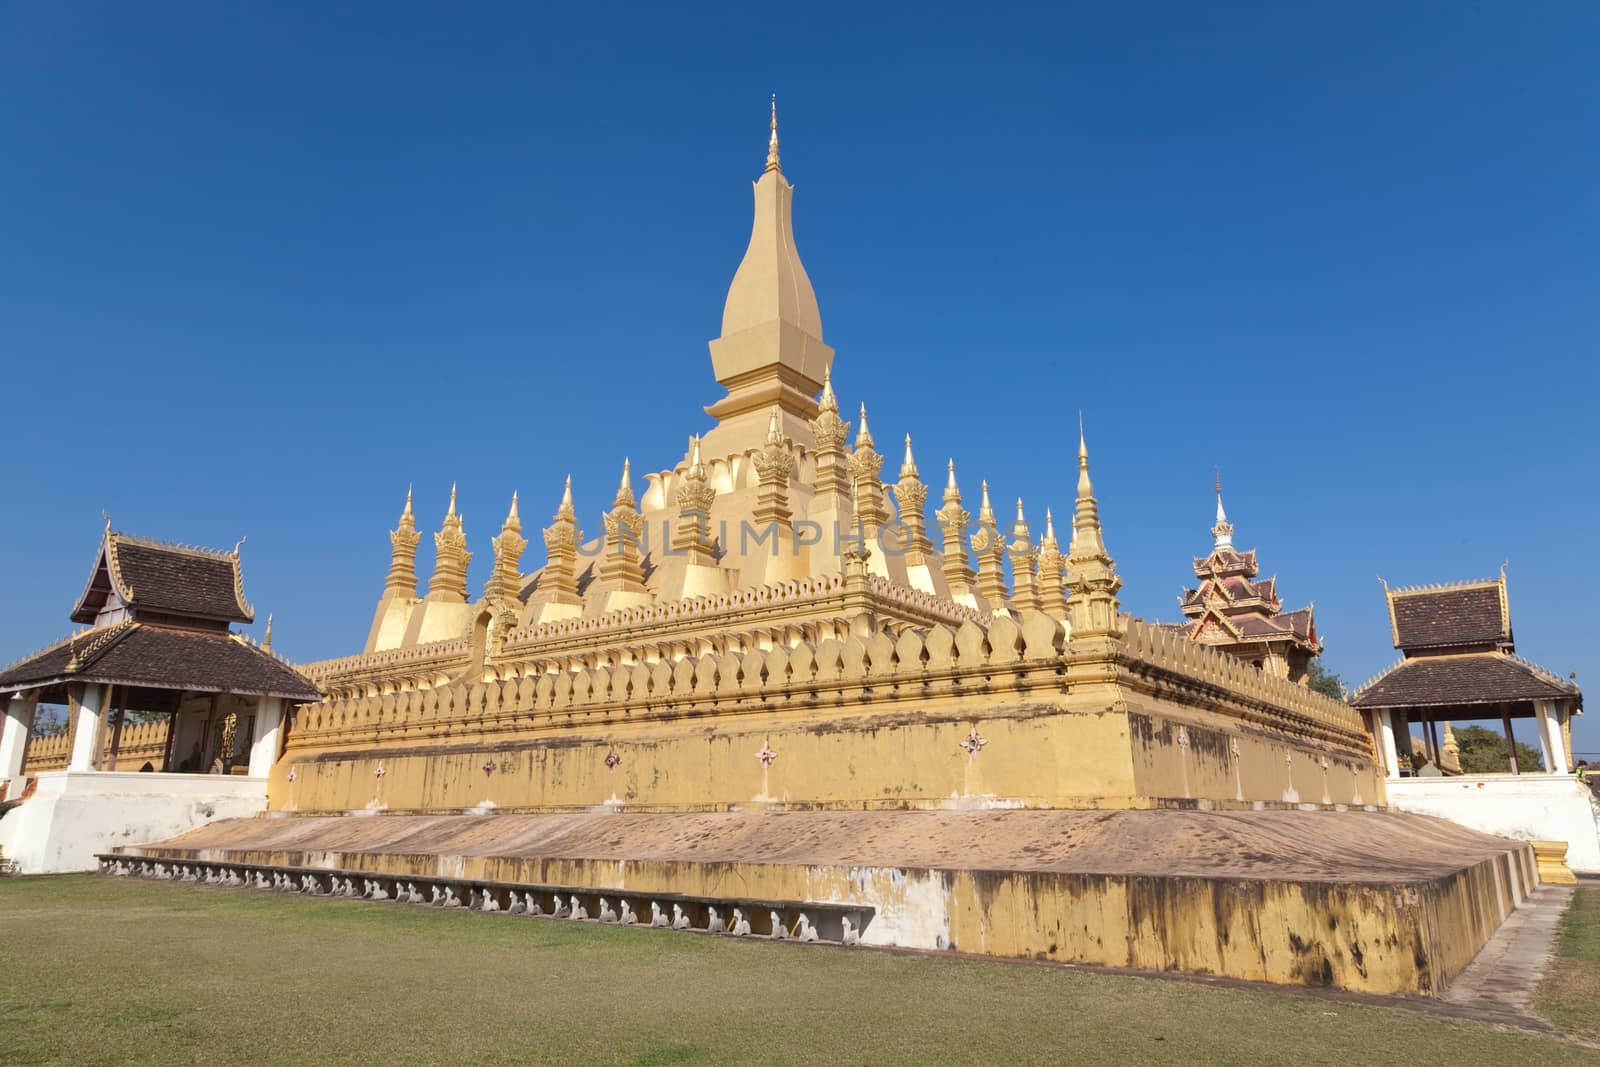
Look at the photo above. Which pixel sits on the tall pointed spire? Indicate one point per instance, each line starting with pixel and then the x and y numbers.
pixel 989 544
pixel 953 519
pixel 772 142
pixel 1091 573
pixel 620 570
pixel 1025 595
pixel 865 467
pixel 506 581
pixel 831 432
pixel 1222 532
pixel 451 558
pixel 1052 571
pixel 695 497
pixel 624 497
pixel 774 465
pixel 771 348
pixel 912 496
pixel 403 540
pixel 266 638
pixel 558 582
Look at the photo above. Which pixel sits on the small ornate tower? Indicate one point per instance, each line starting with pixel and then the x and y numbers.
pixel 620 569
pixel 506 581
pixel 830 431
pixel 1052 571
pixel 1022 553
pixel 558 582
pixel 990 546
pixel 695 496
pixel 774 464
pixel 403 538
pixel 449 580
pixel 865 466
pixel 1092 580
pixel 911 495
pixel 953 519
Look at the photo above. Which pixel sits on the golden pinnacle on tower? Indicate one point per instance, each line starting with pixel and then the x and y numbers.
pixel 865 467
pixel 912 495
pixel 451 558
pixel 772 143
pixel 266 637
pixel 1052 571
pixel 1092 574
pixel 505 583
pixel 990 547
pixel 1026 593
pixel 624 497
pixel 774 464
pixel 403 539
pixel 695 497
pixel 558 582
pixel 565 511
pixel 953 519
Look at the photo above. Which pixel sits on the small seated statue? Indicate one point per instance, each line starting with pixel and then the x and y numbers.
pixel 627 917
pixel 607 913
pixel 777 926
pixel 658 917
pixel 713 920
pixel 680 918
pixel 851 935
pixel 578 910
pixel 803 930
pixel 741 925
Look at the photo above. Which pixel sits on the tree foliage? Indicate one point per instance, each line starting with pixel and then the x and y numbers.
pixel 1321 680
pixel 1483 751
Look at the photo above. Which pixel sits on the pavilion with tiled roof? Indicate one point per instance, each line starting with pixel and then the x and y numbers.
pixel 1458 663
pixel 158 641
pixel 1231 610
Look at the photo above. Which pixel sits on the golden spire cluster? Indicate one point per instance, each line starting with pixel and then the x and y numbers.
pixel 506 582
pixel 403 539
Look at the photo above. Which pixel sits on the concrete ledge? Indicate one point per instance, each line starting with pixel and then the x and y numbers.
pixel 1374 902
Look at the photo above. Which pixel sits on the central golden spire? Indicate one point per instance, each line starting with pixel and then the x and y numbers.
pixel 771 349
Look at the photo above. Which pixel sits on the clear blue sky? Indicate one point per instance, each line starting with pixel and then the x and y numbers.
pixel 264 265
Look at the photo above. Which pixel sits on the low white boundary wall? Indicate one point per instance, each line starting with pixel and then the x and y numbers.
pixel 72 815
pixel 1525 807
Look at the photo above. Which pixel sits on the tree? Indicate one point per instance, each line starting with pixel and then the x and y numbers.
pixel 1483 751
pixel 49 721
pixel 1320 680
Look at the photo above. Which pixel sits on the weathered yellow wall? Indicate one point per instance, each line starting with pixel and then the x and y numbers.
pixel 1370 937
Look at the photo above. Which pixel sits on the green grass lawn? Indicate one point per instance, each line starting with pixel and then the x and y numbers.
pixel 102 970
pixel 1569 995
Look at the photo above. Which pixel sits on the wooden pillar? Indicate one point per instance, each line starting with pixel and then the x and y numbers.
pixel 1511 739
pixel 1433 737
pixel 116 731
pixel 172 736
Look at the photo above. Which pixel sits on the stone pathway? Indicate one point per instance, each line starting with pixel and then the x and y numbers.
pixel 1497 985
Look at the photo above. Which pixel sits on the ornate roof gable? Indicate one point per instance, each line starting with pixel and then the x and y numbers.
pixel 156 577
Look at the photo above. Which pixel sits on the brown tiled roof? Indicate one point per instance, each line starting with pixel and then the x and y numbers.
pixel 165 579
pixel 1475 678
pixel 141 654
pixel 1463 616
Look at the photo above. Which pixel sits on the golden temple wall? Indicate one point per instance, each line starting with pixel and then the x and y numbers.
pixel 862 722
pixel 141 743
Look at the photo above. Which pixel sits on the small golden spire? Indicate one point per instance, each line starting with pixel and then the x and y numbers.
pixel 985 510
pixel 266 638
pixel 697 469
pixel 624 497
pixel 774 428
pixel 772 143
pixel 1049 525
pixel 1085 488
pixel 513 520
pixel 452 509
pixel 950 482
pixel 565 510
pixel 908 469
pixel 406 515
pixel 828 402
pixel 1021 521
pixel 863 435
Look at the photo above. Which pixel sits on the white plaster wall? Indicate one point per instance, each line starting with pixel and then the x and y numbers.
pixel 1525 807
pixel 74 814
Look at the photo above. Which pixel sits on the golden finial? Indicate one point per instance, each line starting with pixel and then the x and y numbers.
pixel 863 435
pixel 828 402
pixel 774 428
pixel 513 519
pixel 1020 520
pixel 106 516
pixel 236 546
pixel 1083 449
pixel 624 497
pixel 1049 525
pixel 452 508
pixel 985 509
pixel 1085 488
pixel 908 469
pixel 950 482
pixel 405 512
pixel 772 143
pixel 266 638
pixel 565 510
